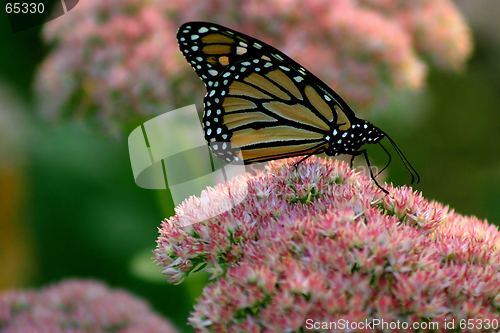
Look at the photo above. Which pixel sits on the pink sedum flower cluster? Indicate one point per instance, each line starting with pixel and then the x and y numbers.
pixel 117 61
pixel 78 306
pixel 323 243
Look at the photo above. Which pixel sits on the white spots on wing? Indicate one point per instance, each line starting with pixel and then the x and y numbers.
pixel 226 74
pixel 209 131
pixel 246 63
pixel 267 64
pixel 334 132
pixel 257 45
pixel 240 50
pixel 202 30
pixel 277 56
pixel 327 98
pixel 298 78
pixel 327 138
pixel 285 68
pixel 219 130
pixel 182 39
pixel 215 147
pixel 213 72
pixel 243 69
pixel 218 111
pixel 194 37
pixel 209 112
pixel 211 93
pixel 199 58
pixel 224 146
pixel 194 48
pixel 224 136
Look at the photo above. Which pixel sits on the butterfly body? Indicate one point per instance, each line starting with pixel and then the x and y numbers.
pixel 261 101
pixel 350 141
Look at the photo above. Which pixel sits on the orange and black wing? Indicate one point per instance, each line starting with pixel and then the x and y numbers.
pixel 258 99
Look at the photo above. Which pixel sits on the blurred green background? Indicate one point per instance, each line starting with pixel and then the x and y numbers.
pixel 70 208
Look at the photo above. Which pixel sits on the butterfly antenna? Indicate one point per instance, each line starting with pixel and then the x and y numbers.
pixel 407 164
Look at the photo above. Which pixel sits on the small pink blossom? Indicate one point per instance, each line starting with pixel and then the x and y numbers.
pixel 323 242
pixel 77 306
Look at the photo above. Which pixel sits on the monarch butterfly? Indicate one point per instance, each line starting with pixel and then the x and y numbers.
pixel 266 104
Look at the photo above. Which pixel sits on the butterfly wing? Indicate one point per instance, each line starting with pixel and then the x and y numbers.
pixel 258 99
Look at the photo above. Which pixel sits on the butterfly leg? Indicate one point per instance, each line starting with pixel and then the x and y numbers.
pixel 365 154
pixel 302 160
pixel 317 151
pixel 390 158
pixel 352 160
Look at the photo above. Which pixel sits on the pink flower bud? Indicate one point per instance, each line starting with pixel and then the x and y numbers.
pixel 348 252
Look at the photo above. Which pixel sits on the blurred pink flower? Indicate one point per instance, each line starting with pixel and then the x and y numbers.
pixel 324 243
pixel 77 306
pixel 118 61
